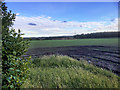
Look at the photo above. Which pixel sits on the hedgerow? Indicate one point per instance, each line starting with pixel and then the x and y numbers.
pixel 15 68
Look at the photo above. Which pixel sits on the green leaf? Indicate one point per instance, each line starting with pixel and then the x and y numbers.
pixel 9 79
pixel 18 70
pixel 11 86
pixel 14 52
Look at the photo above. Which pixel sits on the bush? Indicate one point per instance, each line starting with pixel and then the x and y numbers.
pixel 14 68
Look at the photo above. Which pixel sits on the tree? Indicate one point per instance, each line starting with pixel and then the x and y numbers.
pixel 15 68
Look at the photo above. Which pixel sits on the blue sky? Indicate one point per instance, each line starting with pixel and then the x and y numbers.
pixel 75 17
pixel 62 0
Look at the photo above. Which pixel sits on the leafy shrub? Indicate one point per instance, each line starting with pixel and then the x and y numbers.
pixel 15 68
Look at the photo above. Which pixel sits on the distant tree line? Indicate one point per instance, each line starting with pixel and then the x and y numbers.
pixel 80 36
pixel 98 35
pixel 51 38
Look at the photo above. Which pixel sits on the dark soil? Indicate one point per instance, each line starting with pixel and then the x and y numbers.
pixel 101 56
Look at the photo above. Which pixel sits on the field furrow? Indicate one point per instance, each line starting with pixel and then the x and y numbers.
pixel 102 56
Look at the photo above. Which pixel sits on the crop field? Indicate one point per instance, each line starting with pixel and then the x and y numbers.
pixel 75 42
pixel 103 53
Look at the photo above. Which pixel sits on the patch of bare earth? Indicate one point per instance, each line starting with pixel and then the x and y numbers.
pixel 101 56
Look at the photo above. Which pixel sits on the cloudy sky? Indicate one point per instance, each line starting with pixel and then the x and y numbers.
pixel 38 19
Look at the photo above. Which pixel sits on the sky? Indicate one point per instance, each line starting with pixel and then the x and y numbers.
pixel 62 0
pixel 43 19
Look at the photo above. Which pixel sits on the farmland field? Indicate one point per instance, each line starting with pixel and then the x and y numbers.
pixel 103 52
pixel 75 42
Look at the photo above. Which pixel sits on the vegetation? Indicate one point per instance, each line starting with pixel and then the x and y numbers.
pixel 0 47
pixel 0 74
pixel 65 72
pixel 80 36
pixel 48 71
pixel 76 42
pixel 99 35
pixel 14 68
pixel 0 63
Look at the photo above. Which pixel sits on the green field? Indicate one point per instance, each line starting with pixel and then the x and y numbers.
pixel 76 42
pixel 65 72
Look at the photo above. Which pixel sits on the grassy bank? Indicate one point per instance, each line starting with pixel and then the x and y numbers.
pixel 65 72
pixel 0 62
pixel 76 42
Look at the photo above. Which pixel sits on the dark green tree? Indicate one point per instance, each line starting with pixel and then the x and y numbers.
pixel 15 68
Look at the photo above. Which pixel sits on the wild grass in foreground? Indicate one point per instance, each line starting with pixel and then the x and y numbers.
pixel 65 72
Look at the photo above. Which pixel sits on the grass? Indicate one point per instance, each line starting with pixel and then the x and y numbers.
pixel 0 47
pixel 76 42
pixel 65 72
pixel 0 73
pixel 0 62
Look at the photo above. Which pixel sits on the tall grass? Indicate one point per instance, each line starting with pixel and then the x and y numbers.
pixel 0 61
pixel 65 72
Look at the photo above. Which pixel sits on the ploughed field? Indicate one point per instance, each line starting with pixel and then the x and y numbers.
pixel 104 55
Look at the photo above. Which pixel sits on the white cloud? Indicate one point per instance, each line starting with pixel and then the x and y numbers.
pixel 113 26
pixel 17 14
pixel 45 26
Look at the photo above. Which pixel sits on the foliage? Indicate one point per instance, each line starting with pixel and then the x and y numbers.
pixel 14 68
pixel 99 35
pixel 65 72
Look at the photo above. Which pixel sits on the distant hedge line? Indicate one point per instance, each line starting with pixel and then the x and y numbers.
pixel 80 36
pixel 99 35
